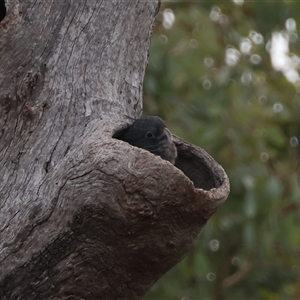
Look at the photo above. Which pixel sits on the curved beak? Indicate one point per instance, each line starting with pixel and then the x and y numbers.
pixel 166 135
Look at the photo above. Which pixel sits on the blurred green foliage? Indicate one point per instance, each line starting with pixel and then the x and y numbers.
pixel 210 77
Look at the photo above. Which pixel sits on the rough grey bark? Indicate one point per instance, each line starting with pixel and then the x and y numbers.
pixel 82 215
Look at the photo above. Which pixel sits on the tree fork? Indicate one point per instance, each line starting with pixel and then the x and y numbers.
pixel 83 215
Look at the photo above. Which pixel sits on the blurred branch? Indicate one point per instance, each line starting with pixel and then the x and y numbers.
pixel 237 276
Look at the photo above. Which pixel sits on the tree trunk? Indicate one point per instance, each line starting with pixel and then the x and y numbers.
pixel 83 215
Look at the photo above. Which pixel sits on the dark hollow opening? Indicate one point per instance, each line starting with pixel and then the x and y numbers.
pixel 193 161
pixel 2 10
pixel 199 169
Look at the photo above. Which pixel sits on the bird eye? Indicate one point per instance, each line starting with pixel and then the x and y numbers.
pixel 149 134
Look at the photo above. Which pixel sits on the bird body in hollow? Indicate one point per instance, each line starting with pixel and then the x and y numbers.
pixel 150 133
